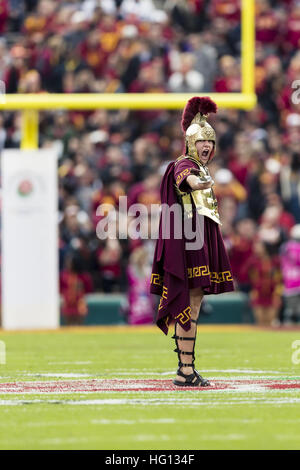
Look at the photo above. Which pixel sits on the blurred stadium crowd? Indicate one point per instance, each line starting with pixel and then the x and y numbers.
pixel 163 46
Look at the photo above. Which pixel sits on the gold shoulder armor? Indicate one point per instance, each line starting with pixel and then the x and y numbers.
pixel 188 157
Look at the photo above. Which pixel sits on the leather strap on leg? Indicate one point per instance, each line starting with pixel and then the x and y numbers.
pixel 181 351
pixel 183 338
pixel 194 379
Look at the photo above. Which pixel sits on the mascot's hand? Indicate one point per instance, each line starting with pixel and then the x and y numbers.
pixel 197 183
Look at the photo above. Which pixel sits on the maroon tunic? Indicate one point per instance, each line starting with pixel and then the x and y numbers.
pixel 209 267
pixel 177 269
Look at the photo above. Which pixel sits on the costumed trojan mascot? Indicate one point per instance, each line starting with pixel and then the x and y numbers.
pixel 190 258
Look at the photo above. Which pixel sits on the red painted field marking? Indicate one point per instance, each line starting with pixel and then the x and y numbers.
pixel 138 385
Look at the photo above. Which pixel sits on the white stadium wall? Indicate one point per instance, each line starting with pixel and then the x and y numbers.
pixel 30 296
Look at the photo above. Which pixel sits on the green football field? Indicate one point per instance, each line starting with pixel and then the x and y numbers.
pixel 111 388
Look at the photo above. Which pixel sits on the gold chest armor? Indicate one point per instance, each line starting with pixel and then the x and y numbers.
pixel 204 199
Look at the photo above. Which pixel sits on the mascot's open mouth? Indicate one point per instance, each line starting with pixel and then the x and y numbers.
pixel 205 153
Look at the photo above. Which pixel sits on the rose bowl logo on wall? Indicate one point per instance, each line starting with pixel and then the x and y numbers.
pixel 26 191
pixel 25 188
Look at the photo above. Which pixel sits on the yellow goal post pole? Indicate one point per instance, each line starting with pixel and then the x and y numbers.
pixel 248 47
pixel 29 104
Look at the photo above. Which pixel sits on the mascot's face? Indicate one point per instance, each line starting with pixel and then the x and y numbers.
pixel 204 150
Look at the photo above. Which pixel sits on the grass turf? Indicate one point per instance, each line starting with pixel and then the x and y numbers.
pixel 246 418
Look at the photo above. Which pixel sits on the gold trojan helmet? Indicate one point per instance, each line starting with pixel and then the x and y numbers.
pixel 195 126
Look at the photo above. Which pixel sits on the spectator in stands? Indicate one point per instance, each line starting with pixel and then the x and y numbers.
pixel 74 285
pixel 141 303
pixel 229 80
pixel 290 263
pixel 270 232
pixel 16 69
pixel 186 78
pixel 227 186
pixel 265 281
pixel 109 259
pixel 241 250
pixel 290 185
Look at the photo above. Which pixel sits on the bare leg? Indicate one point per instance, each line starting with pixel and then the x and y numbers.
pixel 264 315
pixel 258 315
pixel 271 315
pixel 196 296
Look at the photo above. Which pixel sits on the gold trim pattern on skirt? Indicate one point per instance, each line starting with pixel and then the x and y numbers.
pixel 156 279
pixel 184 316
pixel 218 277
pixel 164 295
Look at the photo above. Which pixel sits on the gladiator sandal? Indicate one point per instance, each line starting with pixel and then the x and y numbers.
pixel 194 379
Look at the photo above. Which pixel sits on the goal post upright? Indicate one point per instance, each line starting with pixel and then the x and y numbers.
pixel 30 129
pixel 248 47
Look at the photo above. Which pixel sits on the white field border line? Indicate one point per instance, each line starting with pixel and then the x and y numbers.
pixel 157 402
pixel 287 378
pixel 173 392
pixel 137 372
pixel 153 372
pixel 65 375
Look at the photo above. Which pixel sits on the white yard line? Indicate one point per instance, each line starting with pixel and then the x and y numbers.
pixel 172 421
pixel 149 373
pixel 65 375
pixel 159 401
pixel 136 421
pixel 71 363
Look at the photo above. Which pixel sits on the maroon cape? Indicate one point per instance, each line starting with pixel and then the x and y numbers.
pixel 169 279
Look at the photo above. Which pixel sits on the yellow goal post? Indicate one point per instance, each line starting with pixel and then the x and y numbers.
pixel 30 104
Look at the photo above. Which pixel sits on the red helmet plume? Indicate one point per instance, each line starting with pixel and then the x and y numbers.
pixel 204 105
